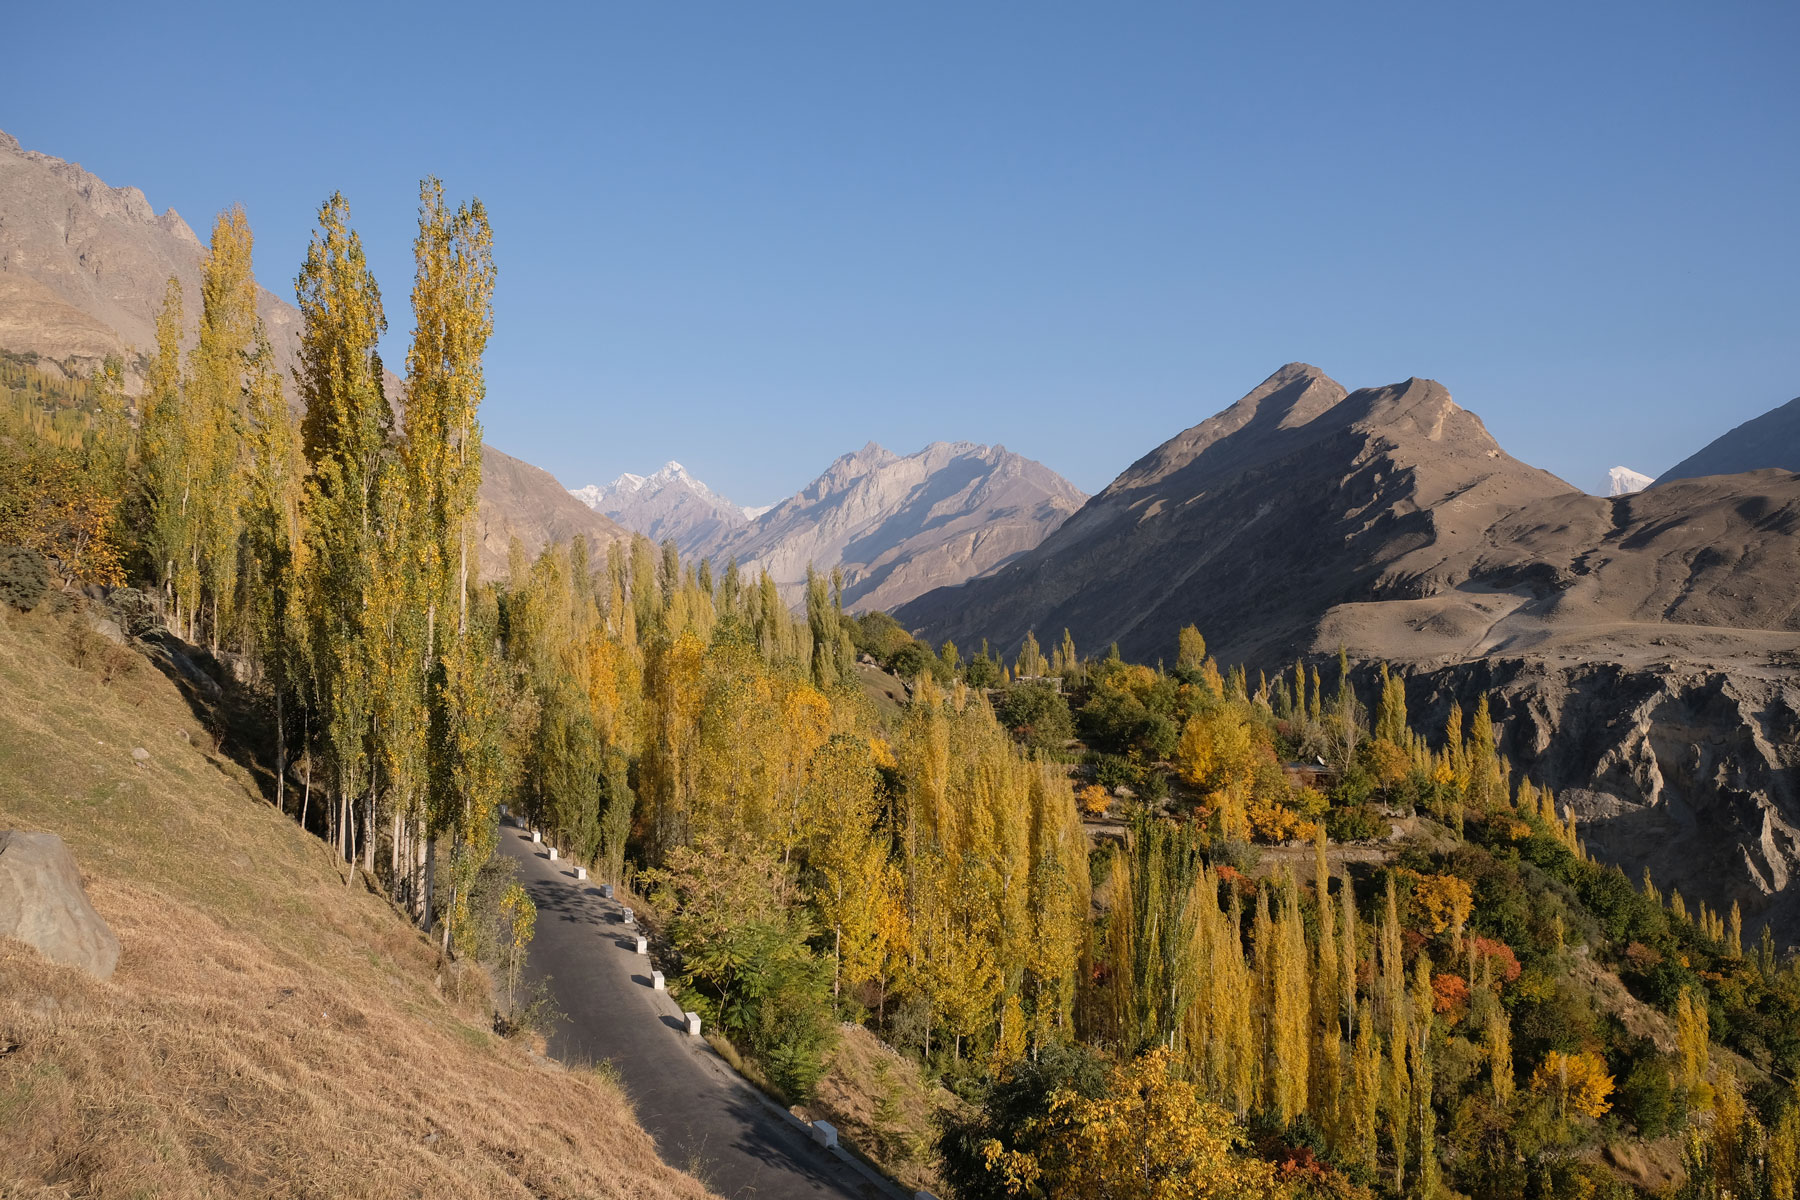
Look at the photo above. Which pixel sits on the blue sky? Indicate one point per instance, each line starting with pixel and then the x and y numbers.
pixel 754 236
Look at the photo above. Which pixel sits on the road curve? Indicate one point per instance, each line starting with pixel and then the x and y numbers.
pixel 705 1117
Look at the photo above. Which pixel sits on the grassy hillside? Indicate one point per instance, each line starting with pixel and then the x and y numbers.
pixel 269 1031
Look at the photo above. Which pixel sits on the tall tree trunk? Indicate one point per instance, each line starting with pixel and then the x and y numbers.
pixel 280 753
pixel 430 889
pixel 306 793
pixel 396 851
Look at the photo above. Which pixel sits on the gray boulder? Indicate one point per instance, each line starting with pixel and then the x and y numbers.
pixel 107 628
pixel 43 904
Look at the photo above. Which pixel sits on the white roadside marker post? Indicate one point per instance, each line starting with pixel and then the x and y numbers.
pixel 693 1024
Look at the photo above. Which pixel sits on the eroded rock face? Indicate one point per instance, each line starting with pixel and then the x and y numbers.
pixel 43 904
pixel 1692 771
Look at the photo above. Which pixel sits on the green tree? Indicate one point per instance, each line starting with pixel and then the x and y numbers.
pixel 345 432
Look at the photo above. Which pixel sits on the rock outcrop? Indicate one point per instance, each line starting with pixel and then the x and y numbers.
pixel 43 904
pixel 1691 770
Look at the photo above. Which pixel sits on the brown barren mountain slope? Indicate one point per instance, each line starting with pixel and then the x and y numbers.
pixel 1771 441
pixel 268 1031
pixel 82 272
pixel 1297 497
pixel 1642 653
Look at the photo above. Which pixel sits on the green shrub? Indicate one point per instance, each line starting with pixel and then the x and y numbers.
pixel 1113 770
pixel 1359 823
pixel 1037 715
pixel 24 577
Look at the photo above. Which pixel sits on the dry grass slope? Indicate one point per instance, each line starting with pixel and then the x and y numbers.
pixel 883 1106
pixel 269 1032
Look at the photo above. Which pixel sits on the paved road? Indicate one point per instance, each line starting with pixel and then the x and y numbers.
pixel 705 1118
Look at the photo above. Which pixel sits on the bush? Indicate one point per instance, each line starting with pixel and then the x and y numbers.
pixel 1112 770
pixel 1014 1111
pixel 1648 1097
pixel 1360 823
pixel 24 577
pixel 911 661
pixel 1037 715
pixel 879 636
pixel 787 1022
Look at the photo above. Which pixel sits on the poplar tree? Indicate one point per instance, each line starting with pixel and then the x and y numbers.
pixel 274 543
pixel 1190 649
pixel 345 432
pixel 216 387
pixel 168 468
pixel 453 315
pixel 1030 664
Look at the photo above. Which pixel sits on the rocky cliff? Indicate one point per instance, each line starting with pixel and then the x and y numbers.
pixel 83 267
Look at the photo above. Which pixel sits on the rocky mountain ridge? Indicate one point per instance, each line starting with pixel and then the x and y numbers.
pixel 900 525
pixel 83 268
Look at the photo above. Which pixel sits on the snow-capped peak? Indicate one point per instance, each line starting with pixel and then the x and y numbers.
pixel 647 500
pixel 1623 481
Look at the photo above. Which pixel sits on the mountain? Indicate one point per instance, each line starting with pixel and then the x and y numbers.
pixel 1639 651
pixel 1623 481
pixel 1771 440
pixel 1252 523
pixel 670 504
pixel 83 268
pixel 900 526
pixel 518 500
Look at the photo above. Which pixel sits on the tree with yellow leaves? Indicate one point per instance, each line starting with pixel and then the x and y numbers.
pixel 1151 1137
pixel 1578 1081
pixel 345 429
pixel 1031 663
